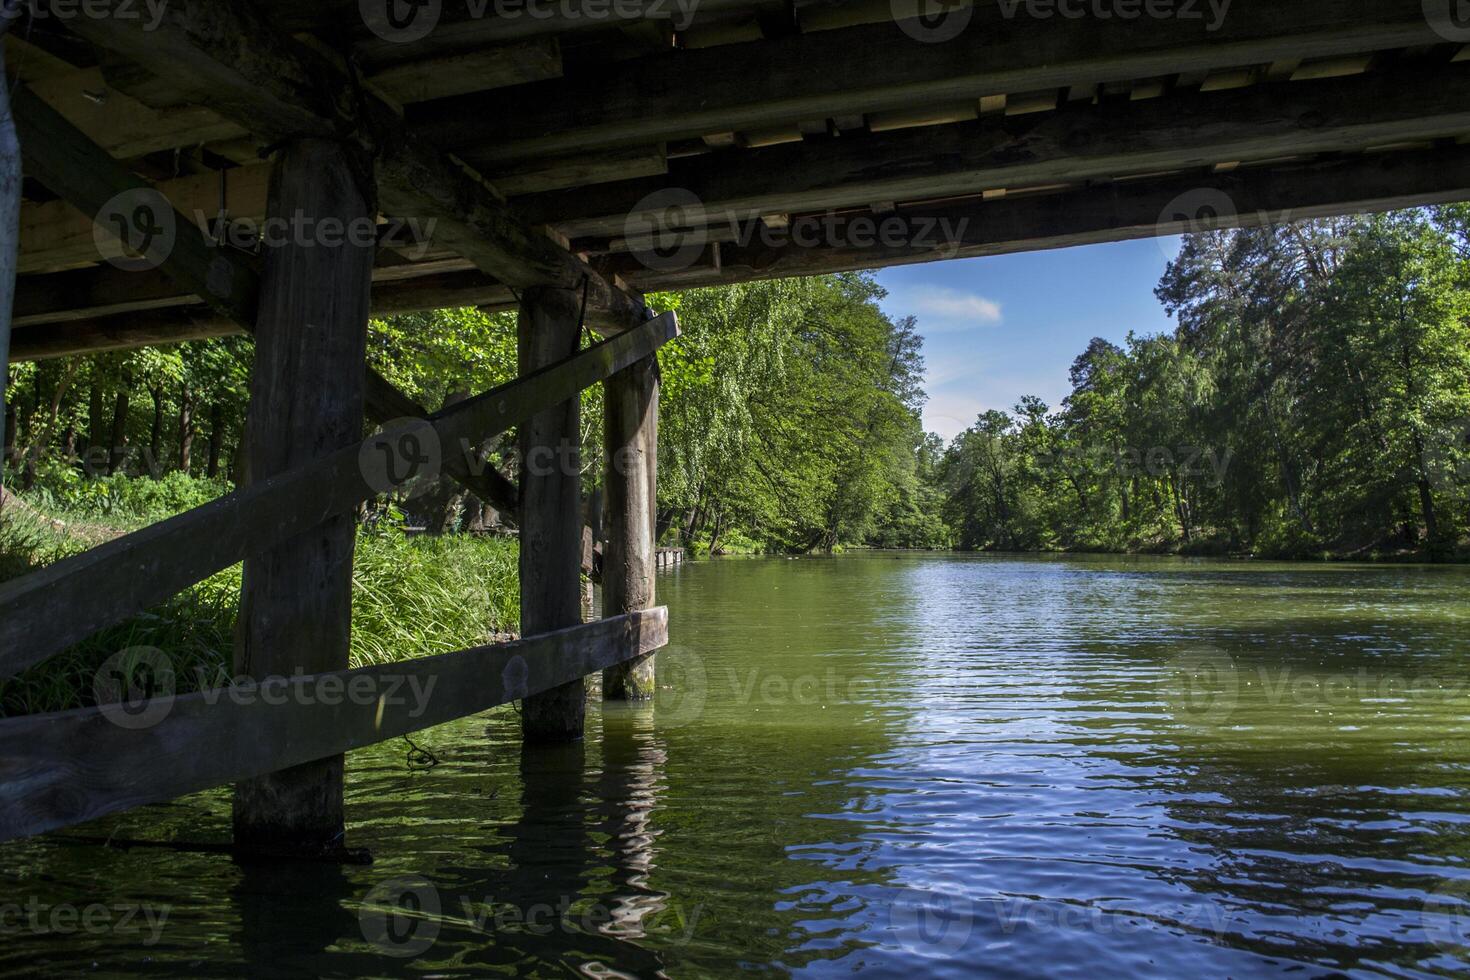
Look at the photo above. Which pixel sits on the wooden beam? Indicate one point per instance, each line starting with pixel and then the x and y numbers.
pixel 61 769
pixel 48 610
pixel 1080 142
pixel 66 161
pixel 98 292
pixel 306 403
pixel 1113 212
pixel 386 403
pixel 280 90
pixel 880 67
pixel 124 126
pixel 630 441
pixel 551 508
pixel 59 235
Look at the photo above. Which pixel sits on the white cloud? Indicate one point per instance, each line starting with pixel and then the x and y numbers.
pixel 945 304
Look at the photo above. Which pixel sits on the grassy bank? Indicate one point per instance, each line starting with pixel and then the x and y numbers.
pixel 412 597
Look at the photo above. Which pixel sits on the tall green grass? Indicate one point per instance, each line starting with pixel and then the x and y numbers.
pixel 412 597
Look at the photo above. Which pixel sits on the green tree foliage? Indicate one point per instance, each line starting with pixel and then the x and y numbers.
pixel 790 421
pixel 1315 398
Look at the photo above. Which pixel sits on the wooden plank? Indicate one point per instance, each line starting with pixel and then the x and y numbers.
pixel 1114 212
pixel 306 403
pixel 516 63
pixel 53 607
pixel 280 89
pixel 630 441
pixel 56 235
pixel 386 403
pixel 578 171
pixel 66 161
pixel 150 310
pixel 124 126
pixel 1079 143
pixel 61 769
pixel 551 509
pixel 879 67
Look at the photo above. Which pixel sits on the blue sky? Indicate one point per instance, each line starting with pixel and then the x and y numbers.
pixel 1002 327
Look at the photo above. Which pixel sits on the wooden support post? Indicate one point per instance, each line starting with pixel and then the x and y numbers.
pixel 551 509
pixel 10 181
pixel 631 442
pixel 306 401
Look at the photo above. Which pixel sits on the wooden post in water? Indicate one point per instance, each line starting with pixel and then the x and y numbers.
pixel 631 443
pixel 306 400
pixel 551 509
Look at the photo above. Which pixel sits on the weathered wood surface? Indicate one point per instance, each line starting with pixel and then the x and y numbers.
pixel 71 308
pixel 551 508
pixel 1082 142
pixel 630 443
pixel 66 161
pixel 386 403
pixel 1111 212
pixel 879 67
pixel 10 191
pixel 306 403
pixel 46 611
pixel 61 769
pixel 280 89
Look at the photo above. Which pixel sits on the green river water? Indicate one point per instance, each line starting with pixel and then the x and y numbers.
pixel 885 765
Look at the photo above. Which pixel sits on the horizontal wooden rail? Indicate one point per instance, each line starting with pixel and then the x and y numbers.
pixel 64 768
pixel 50 609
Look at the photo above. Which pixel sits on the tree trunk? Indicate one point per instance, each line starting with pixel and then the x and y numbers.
pixel 155 435
pixel 186 429
pixel 118 448
pixel 216 438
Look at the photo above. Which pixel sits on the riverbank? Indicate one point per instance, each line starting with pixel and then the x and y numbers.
pixel 412 597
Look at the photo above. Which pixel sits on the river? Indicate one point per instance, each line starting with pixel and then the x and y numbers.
pixel 893 765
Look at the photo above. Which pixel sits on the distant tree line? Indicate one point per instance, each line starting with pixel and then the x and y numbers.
pixel 1314 399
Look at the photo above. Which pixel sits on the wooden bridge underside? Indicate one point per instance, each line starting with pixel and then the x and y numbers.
pixel 736 141
pixel 565 160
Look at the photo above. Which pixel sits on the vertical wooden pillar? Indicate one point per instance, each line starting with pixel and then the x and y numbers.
pixel 551 509
pixel 10 187
pixel 306 400
pixel 630 436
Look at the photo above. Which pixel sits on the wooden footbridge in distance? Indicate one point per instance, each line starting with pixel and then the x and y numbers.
pixel 564 158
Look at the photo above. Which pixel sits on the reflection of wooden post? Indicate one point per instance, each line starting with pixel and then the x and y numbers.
pixel 631 443
pixel 551 510
pixel 306 396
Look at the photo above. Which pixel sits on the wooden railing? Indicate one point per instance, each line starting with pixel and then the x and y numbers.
pixel 50 609
pixel 64 768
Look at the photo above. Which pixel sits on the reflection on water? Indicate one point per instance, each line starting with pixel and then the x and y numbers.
pixel 898 765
